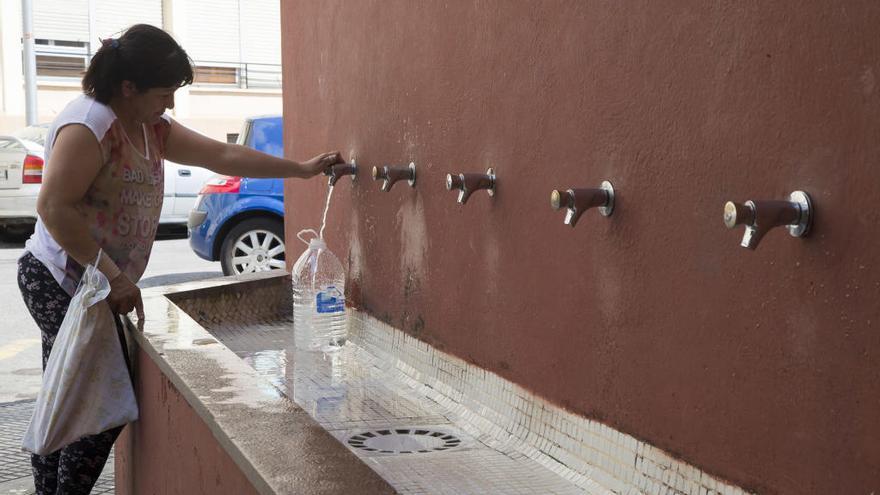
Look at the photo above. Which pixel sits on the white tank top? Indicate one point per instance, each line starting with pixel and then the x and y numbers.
pixel 123 203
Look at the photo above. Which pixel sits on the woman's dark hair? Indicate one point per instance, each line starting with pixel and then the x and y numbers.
pixel 145 55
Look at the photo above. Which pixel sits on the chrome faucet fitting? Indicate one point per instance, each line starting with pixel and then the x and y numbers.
pixel 390 175
pixel 337 171
pixel 577 201
pixel 761 216
pixel 466 184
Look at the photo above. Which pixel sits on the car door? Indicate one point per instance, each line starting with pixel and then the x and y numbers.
pixel 188 181
pixel 167 215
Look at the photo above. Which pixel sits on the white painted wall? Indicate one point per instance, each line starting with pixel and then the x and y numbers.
pixel 11 72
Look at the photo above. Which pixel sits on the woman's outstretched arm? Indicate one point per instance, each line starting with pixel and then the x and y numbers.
pixel 191 148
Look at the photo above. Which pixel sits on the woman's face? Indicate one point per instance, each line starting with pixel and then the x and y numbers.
pixel 147 106
pixel 154 102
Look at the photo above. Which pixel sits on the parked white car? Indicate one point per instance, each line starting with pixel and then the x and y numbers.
pixel 21 174
pixel 182 186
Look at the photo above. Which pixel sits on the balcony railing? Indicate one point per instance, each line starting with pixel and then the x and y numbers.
pixel 68 64
pixel 242 75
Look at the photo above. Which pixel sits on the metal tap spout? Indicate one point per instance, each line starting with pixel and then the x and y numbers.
pixel 466 184
pixel 577 201
pixel 338 171
pixel 390 175
pixel 759 217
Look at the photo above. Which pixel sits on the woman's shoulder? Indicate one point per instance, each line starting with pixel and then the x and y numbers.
pixel 85 111
pixel 89 112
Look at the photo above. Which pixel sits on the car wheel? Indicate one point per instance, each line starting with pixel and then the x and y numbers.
pixel 16 232
pixel 254 245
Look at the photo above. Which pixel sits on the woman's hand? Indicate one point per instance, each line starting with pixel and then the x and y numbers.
pixel 125 296
pixel 320 163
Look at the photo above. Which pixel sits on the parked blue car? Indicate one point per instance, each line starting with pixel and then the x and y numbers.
pixel 240 220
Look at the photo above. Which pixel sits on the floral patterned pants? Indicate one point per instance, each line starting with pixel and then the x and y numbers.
pixel 75 468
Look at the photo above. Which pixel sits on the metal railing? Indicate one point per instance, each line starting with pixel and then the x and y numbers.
pixel 262 75
pixel 67 64
pixel 242 75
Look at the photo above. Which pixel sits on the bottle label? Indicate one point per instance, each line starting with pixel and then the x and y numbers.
pixel 330 300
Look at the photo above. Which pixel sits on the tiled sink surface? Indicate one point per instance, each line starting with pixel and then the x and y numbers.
pixel 354 393
pixel 425 421
pixel 351 392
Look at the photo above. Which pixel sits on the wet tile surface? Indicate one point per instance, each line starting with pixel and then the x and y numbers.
pixel 350 392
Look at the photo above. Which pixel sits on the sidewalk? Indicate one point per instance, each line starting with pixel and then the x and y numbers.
pixel 15 465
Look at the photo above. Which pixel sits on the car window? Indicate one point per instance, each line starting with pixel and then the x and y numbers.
pixel 10 144
pixel 33 145
pixel 35 133
pixel 265 136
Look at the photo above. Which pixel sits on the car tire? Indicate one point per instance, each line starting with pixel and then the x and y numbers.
pixel 255 244
pixel 16 232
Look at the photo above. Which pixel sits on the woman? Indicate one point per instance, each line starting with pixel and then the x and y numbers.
pixel 102 190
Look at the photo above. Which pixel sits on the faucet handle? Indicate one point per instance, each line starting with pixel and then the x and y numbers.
pixel 561 199
pixel 739 214
pixel 380 173
pixel 454 182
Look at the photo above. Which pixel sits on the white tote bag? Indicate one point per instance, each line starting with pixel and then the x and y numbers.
pixel 86 386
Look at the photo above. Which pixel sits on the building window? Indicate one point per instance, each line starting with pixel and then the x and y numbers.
pixel 60 66
pixel 60 59
pixel 60 43
pixel 205 74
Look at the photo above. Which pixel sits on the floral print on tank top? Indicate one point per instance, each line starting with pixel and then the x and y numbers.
pixel 123 204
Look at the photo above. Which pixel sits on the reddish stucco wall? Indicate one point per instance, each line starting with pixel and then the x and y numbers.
pixel 170 450
pixel 760 367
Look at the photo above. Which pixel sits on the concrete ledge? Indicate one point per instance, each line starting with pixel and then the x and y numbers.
pixel 277 447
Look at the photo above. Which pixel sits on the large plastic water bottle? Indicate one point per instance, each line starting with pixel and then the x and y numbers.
pixel 319 322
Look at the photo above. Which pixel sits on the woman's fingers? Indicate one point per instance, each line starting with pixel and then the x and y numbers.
pixel 330 159
pixel 125 296
pixel 139 305
pixel 334 157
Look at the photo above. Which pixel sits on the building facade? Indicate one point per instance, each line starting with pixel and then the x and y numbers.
pixel 237 55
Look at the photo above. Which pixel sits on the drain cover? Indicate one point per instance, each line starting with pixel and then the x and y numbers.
pixel 404 441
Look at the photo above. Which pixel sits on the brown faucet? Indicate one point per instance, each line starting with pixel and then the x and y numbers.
pixel 337 171
pixel 390 175
pixel 761 216
pixel 577 201
pixel 466 184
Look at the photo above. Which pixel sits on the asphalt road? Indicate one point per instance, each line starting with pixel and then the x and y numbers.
pixel 172 262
